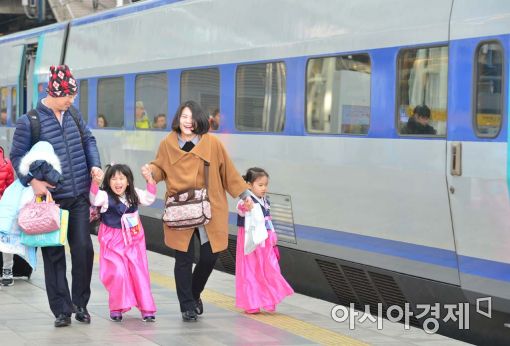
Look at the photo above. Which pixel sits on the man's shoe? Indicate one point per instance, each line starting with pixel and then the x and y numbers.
pixel 82 315
pixel 188 316
pixel 7 279
pixel 62 320
pixel 199 307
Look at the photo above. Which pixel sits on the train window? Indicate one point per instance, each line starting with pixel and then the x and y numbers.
pixel 203 86
pixel 110 101
pixel 338 94
pixel 488 89
pixel 4 92
pixel 14 105
pixel 151 103
pixel 260 97
pixel 422 91
pixel 84 100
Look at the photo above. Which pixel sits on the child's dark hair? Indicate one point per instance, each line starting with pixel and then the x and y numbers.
pixel 253 174
pixel 111 170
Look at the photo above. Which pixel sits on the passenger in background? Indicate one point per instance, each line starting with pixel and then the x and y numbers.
pixel 6 179
pixel 3 117
pixel 418 124
pixel 180 162
pixel 259 282
pixel 159 121
pixel 123 258
pixel 214 120
pixel 141 118
pixel 101 121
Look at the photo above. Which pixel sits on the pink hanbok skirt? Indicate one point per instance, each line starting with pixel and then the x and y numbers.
pixel 259 282
pixel 124 271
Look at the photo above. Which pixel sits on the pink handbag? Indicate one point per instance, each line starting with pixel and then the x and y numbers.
pixel 38 217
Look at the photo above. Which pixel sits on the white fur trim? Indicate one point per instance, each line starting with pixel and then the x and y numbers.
pixel 40 151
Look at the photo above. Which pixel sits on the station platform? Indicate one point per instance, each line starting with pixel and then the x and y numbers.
pixel 25 318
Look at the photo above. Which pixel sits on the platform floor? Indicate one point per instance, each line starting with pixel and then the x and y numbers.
pixel 25 318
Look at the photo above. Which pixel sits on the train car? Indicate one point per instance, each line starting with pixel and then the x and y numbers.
pixel 326 96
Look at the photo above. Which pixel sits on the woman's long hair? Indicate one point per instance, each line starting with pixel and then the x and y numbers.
pixel 111 170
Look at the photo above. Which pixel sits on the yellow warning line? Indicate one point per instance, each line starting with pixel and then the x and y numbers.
pixel 277 320
pixel 297 327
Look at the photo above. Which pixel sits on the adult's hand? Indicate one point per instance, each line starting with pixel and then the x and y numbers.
pixel 248 203
pixel 40 187
pixel 97 174
pixel 147 174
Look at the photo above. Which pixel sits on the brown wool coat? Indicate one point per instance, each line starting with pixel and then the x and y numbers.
pixel 182 171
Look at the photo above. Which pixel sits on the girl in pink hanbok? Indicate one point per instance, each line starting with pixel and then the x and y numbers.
pixel 123 259
pixel 259 283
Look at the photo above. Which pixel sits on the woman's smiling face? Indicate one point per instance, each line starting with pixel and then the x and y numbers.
pixel 186 124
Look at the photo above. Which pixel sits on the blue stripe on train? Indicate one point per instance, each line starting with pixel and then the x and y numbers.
pixel 420 253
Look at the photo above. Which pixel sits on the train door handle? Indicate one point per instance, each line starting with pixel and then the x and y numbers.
pixel 456 164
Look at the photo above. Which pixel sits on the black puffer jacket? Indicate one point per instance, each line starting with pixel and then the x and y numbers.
pixel 415 128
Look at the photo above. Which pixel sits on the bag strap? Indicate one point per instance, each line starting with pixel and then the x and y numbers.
pixel 206 172
pixel 35 124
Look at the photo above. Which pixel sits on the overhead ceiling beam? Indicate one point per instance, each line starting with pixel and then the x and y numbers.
pixel 11 7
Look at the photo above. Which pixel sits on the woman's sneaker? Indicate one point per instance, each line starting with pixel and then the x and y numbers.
pixel 7 279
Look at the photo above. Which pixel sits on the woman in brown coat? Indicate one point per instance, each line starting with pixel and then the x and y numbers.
pixel 180 163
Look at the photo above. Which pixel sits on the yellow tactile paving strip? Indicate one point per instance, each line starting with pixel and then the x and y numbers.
pixel 292 325
pixel 277 320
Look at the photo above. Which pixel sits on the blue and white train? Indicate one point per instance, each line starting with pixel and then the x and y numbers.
pixel 319 93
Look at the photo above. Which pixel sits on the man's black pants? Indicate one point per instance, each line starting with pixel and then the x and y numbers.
pixel 82 258
pixel 190 285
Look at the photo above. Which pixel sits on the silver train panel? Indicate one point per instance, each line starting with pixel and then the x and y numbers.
pixel 480 205
pixel 474 18
pixel 337 182
pixel 193 33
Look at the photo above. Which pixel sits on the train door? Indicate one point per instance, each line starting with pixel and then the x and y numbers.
pixel 26 93
pixel 477 163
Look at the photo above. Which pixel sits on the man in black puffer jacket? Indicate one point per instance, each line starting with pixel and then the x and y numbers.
pixel 77 151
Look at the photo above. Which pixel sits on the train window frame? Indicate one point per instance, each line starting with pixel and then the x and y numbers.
pixel 397 108
pixel 151 116
pixel 284 96
pixel 338 133
pixel 14 104
pixel 4 103
pixel 475 89
pixel 83 100
pixel 99 80
pixel 209 111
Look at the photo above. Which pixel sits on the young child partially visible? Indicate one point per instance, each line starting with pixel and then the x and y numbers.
pixel 6 179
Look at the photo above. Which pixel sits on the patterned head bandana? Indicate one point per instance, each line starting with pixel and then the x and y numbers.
pixel 61 82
